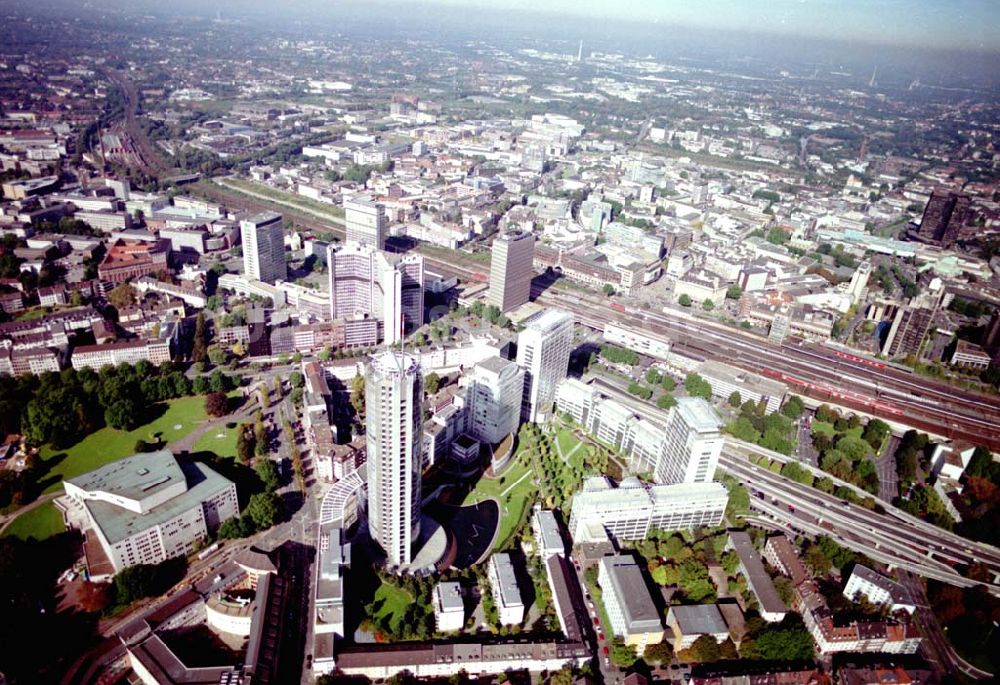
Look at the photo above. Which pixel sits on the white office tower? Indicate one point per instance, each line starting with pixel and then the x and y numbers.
pixel 692 443
pixel 393 391
pixel 511 269
pixel 263 248
pixel 370 285
pixel 494 399
pixel 366 222
pixel 398 297
pixel 543 350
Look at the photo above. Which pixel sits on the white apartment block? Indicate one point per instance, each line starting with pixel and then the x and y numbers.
pixel 263 248
pixel 147 508
pixel 878 590
pixel 366 222
pixel 449 607
pixel 506 593
pixel 511 269
pixel 113 354
pixel 692 444
pixel 543 350
pixel 494 399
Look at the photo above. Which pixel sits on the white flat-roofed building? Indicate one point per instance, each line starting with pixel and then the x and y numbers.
pixel 548 539
pixel 576 398
pixel 630 510
pixel 878 590
pixel 644 343
pixel 724 379
pixel 543 349
pixel 449 607
pixel 112 354
pixel 147 508
pixel 506 593
pixel 494 399
pixel 693 443
pixel 630 608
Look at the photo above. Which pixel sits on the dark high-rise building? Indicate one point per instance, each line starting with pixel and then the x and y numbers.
pixel 943 219
pixel 991 337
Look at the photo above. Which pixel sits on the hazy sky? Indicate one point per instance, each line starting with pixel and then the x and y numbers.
pixel 963 24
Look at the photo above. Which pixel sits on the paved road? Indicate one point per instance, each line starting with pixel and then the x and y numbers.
pixel 804 449
pixel 885 466
pixel 936 648
pixel 893 537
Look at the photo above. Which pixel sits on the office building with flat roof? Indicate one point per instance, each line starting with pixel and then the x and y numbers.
pixel 393 394
pixel 378 295
pixel 264 248
pixel 726 379
pixel 147 508
pixel 692 444
pixel 366 222
pixel 630 608
pixel 543 350
pixel 511 269
pixel 627 512
pixel 494 399
pixel 506 593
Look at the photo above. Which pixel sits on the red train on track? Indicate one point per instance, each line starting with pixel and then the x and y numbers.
pixel 844 395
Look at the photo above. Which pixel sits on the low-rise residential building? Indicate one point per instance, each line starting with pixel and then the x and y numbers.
pixel 128 352
pixel 770 605
pixel 506 593
pixel 878 590
pixel 548 539
pixel 449 607
pixel 630 608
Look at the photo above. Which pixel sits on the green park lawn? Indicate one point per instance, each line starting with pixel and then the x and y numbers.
pixel 42 522
pixel 824 428
pixel 394 601
pixel 221 441
pixel 566 440
pixel 181 417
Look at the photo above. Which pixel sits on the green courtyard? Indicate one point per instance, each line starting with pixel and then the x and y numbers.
pixel 178 418
pixel 220 440
pixel 40 523
pixel 392 602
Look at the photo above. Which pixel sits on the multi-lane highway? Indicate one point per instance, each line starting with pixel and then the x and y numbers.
pixel 890 536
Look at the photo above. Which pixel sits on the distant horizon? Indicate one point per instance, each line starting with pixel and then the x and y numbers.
pixel 964 25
